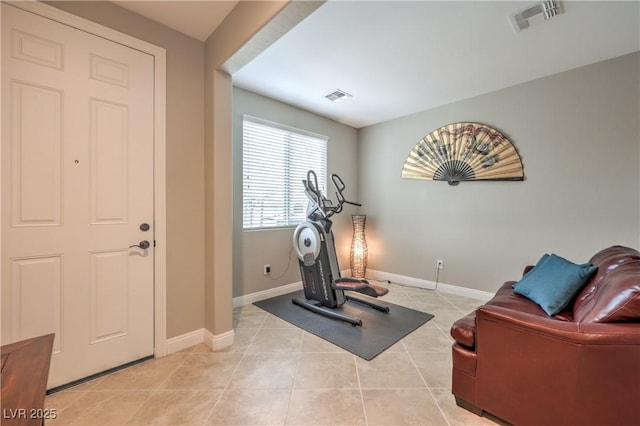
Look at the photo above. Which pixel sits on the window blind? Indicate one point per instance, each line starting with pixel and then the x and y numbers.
pixel 275 160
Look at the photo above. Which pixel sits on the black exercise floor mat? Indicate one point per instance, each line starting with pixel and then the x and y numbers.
pixel 379 330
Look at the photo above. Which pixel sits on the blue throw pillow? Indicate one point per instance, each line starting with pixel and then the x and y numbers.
pixel 553 282
pixel 537 265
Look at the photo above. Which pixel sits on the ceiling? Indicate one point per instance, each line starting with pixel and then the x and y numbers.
pixel 397 58
pixel 197 19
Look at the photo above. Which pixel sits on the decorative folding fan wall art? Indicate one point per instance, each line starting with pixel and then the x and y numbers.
pixel 464 152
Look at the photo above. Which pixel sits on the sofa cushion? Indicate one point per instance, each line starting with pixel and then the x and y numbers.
pixel 554 282
pixel 613 295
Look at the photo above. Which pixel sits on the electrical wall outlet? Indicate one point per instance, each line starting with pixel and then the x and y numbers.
pixel 267 269
pixel 439 264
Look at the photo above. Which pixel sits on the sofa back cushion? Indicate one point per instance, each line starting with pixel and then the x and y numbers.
pixel 613 294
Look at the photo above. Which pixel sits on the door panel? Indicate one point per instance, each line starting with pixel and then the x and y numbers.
pixel 32 294
pixel 109 71
pixel 40 51
pixel 77 181
pixel 109 289
pixel 36 115
pixel 109 147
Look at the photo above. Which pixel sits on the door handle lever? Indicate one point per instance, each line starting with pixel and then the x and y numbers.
pixel 144 244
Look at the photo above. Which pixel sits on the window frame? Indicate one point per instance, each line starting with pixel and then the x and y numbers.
pixel 290 221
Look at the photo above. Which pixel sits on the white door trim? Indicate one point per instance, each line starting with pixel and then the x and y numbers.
pixel 159 161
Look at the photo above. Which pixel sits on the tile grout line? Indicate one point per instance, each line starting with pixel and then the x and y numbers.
pixel 364 409
pixel 444 416
pixel 152 391
pixel 293 382
pixel 263 324
pixel 149 392
pixel 226 387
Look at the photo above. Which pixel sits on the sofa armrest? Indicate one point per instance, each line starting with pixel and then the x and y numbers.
pixel 571 332
pixel 463 331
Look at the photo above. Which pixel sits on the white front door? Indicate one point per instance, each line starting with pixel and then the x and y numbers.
pixel 77 184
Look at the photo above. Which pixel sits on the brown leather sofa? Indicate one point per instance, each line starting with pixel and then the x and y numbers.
pixel 579 367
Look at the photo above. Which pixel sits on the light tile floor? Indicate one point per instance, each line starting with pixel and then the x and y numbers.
pixel 277 374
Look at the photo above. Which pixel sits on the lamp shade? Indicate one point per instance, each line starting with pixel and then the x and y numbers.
pixel 359 250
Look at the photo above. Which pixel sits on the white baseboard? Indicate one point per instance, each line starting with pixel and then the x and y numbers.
pixel 431 285
pixel 376 275
pixel 192 338
pixel 221 341
pixel 218 341
pixel 248 299
pixel 185 341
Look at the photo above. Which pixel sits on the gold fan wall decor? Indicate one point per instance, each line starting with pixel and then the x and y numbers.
pixel 464 151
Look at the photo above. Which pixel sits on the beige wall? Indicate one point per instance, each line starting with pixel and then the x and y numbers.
pixel 578 135
pixel 185 151
pixel 236 31
pixel 255 248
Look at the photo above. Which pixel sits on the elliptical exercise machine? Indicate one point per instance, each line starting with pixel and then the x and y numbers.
pixel 324 288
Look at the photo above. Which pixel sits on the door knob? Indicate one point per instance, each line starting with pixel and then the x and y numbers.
pixel 144 244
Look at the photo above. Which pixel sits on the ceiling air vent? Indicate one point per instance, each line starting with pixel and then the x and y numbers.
pixel 338 96
pixel 545 10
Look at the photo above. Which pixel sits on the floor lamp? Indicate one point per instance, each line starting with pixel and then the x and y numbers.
pixel 358 256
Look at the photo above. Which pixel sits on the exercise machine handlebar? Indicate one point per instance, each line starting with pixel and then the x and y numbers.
pixel 322 204
pixel 313 193
pixel 340 187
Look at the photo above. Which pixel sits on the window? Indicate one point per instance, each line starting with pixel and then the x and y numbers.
pixel 275 160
